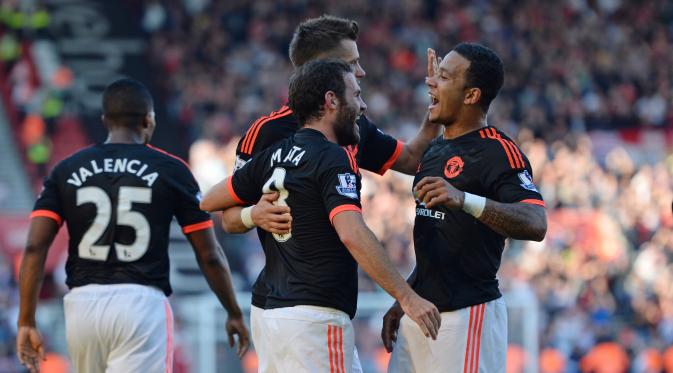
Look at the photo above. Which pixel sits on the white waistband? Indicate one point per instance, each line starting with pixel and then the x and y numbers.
pixel 100 290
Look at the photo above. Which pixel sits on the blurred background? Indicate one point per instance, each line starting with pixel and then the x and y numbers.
pixel 588 97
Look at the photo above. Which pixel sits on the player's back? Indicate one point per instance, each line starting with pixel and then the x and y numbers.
pixel 317 179
pixel 118 201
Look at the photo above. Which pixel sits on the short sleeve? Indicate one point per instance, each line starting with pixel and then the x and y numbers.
pixel 509 177
pixel 190 217
pixel 244 184
pixel 48 203
pixel 377 151
pixel 241 158
pixel 339 183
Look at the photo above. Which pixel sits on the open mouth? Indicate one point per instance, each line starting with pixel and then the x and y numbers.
pixel 433 100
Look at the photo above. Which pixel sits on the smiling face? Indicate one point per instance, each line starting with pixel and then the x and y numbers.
pixel 350 108
pixel 448 89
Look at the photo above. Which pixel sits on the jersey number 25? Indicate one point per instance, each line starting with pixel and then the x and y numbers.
pixel 125 216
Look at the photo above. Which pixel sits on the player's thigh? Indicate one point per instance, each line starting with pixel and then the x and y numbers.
pixel 309 340
pixel 411 352
pixel 86 347
pixel 493 348
pixel 145 338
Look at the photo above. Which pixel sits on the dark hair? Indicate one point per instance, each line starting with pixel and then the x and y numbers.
pixel 310 82
pixel 126 102
pixel 486 71
pixel 318 35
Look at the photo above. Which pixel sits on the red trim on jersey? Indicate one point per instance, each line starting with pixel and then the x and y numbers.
pixel 481 133
pixel 47 214
pixel 492 134
pixel 253 131
pixel 393 158
pixel 351 159
pixel 517 153
pixel 197 226
pixel 232 193
pixel 169 336
pixel 512 148
pixel 170 155
pixel 533 201
pixel 339 209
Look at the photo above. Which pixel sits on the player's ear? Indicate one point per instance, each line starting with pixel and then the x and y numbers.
pixel 472 96
pixel 148 120
pixel 331 100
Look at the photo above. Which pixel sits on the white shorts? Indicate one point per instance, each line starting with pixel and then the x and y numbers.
pixel 258 333
pixel 119 328
pixel 470 340
pixel 309 339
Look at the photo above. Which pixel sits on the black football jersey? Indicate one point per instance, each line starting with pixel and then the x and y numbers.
pixel 457 256
pixel 118 201
pixel 376 152
pixel 317 179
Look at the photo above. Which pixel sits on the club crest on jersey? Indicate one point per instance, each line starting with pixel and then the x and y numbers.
pixel 454 166
pixel 527 181
pixel 348 186
pixel 240 163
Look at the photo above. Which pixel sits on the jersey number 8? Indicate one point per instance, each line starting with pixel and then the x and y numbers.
pixel 277 179
pixel 125 217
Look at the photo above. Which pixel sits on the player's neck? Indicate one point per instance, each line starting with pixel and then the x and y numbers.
pixel 323 127
pixel 463 126
pixel 123 136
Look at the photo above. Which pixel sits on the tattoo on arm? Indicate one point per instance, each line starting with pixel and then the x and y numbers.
pixel 521 221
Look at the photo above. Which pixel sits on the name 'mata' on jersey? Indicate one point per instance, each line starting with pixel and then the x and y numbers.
pixel 118 201
pixel 457 256
pixel 376 152
pixel 317 179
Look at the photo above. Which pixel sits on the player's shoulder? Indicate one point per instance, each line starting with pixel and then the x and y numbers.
pixel 501 149
pixel 267 130
pixel 171 160
pixel 333 155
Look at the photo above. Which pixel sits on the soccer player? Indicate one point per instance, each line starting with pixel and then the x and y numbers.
pixel 474 188
pixel 312 278
pixel 323 37
pixel 118 199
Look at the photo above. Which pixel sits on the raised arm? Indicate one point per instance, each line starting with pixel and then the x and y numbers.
pixel 370 255
pixel 413 149
pixel 215 268
pixel 29 348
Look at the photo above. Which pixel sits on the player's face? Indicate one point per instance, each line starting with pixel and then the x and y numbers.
pixel 150 125
pixel 347 52
pixel 350 109
pixel 447 89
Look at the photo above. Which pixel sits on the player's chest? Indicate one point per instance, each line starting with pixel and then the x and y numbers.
pixel 461 166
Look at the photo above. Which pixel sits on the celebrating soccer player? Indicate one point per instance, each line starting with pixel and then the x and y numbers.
pixel 312 277
pixel 118 199
pixel 474 188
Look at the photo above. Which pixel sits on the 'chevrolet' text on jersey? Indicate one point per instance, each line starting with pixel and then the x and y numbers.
pixel 118 201
pixel 376 152
pixel 317 179
pixel 457 256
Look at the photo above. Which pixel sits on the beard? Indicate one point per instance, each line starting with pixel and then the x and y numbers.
pixel 345 128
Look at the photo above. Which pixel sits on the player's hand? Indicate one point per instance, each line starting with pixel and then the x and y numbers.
pixel 270 217
pixel 433 63
pixel 391 322
pixel 29 348
pixel 435 191
pixel 424 313
pixel 235 325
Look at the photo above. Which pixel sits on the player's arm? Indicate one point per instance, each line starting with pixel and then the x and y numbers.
pixel 29 348
pixel 215 268
pixel 391 320
pixel 236 219
pixel 370 255
pixel 518 220
pixel 413 150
